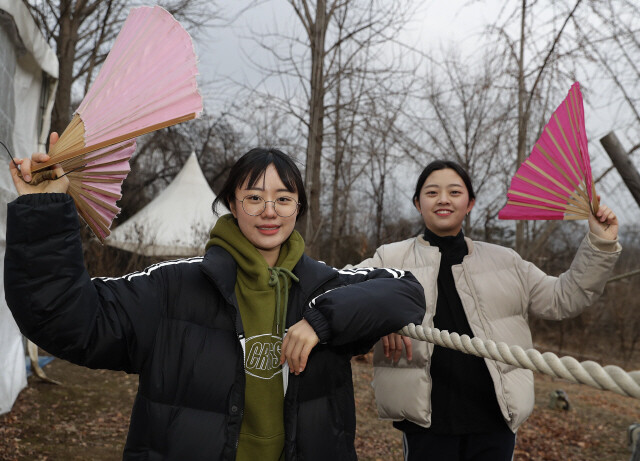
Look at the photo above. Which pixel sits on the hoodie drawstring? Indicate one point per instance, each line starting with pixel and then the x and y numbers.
pixel 275 273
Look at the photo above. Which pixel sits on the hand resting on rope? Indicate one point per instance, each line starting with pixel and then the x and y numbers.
pixel 297 345
pixel 22 177
pixel 392 345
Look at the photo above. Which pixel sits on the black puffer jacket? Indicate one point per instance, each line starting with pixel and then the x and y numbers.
pixel 178 326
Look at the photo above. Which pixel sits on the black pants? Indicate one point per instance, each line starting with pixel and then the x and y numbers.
pixel 492 446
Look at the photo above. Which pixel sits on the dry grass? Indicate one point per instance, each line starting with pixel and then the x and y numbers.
pixel 593 430
pixel 87 418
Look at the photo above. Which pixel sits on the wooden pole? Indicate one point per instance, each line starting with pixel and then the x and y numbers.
pixel 623 164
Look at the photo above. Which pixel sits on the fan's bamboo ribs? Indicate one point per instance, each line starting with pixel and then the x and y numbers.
pixel 97 201
pixel 91 174
pixel 571 160
pixel 85 210
pixel 595 202
pixel 97 179
pixel 81 162
pixel 71 139
pixel 572 111
pixel 559 169
pixel 546 175
pixel 572 198
pixel 542 207
pixel 134 134
pixel 102 191
pixel 565 207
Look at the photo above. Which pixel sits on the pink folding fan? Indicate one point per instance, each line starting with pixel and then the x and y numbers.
pixel 95 182
pixel 147 82
pixel 555 181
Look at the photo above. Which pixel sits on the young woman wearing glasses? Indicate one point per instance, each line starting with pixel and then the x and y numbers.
pixel 212 337
pixel 456 407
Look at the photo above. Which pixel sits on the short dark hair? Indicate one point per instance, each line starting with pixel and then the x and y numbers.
pixel 252 165
pixel 442 165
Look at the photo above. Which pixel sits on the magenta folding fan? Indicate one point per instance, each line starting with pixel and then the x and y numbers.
pixel 555 181
pixel 147 82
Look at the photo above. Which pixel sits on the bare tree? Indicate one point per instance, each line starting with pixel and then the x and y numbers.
pixel 466 117
pixel 610 40
pixel 534 60
pixel 610 48
pixel 316 24
pixel 337 34
pixel 365 95
pixel 385 143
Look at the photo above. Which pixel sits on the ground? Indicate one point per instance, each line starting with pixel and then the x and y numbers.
pixel 87 418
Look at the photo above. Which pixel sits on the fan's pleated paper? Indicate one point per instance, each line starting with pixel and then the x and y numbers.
pixel 147 82
pixel 96 186
pixel 555 181
pixel 149 77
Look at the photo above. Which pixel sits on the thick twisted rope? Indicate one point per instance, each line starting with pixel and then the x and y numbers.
pixel 610 377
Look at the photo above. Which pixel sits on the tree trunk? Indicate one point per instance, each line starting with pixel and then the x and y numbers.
pixel 379 200
pixel 623 164
pixel 522 121
pixel 335 187
pixel 635 456
pixel 66 49
pixel 316 128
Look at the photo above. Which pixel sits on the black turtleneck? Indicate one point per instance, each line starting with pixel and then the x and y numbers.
pixel 463 399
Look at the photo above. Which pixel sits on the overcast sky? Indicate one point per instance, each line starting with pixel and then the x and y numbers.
pixel 224 59
pixel 224 51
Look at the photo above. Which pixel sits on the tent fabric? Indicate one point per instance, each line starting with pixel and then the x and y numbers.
pixel 33 43
pixel 30 85
pixel 36 78
pixel 174 224
pixel 33 82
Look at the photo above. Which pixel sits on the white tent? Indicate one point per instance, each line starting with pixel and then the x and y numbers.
pixel 174 224
pixel 28 80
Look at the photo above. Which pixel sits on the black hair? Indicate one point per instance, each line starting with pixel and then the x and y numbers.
pixel 441 165
pixel 252 165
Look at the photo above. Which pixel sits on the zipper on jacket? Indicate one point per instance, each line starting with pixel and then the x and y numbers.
pixel 238 438
pixel 429 355
pixel 240 337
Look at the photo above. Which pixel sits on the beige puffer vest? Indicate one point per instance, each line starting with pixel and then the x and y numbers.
pixel 498 290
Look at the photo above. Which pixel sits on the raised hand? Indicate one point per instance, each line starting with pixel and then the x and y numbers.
pixel 604 224
pixel 23 177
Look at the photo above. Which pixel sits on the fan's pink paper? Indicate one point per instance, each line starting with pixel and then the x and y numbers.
pixel 557 174
pixel 102 195
pixel 148 77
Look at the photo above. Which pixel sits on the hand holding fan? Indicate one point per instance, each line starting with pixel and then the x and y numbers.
pixel 147 82
pixel 555 181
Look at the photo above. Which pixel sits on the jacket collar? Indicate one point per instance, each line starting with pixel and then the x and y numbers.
pixel 421 241
pixel 221 268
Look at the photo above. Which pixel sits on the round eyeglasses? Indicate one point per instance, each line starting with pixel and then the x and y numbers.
pixel 254 205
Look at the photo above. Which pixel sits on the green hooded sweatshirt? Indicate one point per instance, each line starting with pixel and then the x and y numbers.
pixel 262 294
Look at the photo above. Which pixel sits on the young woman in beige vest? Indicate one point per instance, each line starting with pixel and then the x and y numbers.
pixel 456 407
